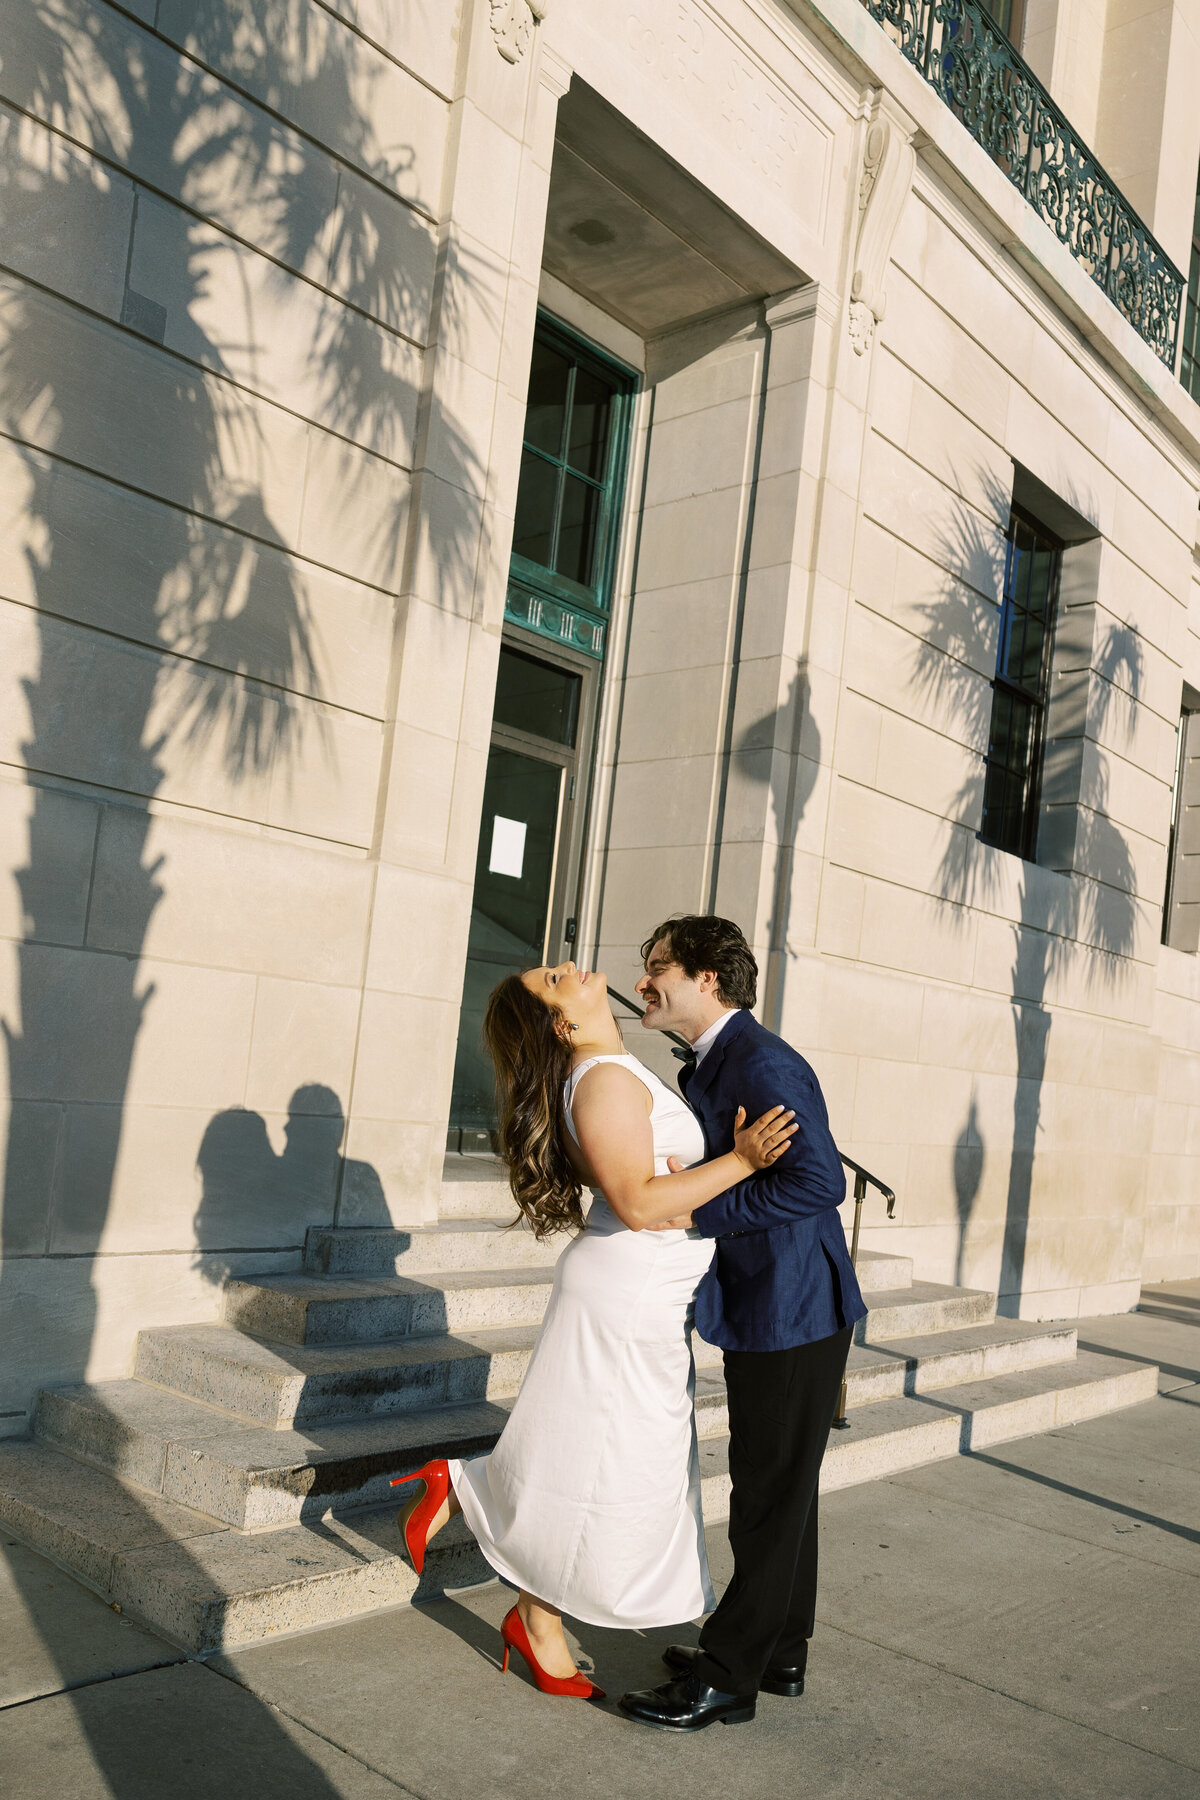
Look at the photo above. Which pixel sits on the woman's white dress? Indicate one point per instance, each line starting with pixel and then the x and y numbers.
pixel 591 1497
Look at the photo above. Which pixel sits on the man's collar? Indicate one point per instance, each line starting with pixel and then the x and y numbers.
pixel 708 1037
pixel 705 1073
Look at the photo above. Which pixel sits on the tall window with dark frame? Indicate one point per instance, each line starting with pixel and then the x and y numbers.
pixel 1014 760
pixel 1189 368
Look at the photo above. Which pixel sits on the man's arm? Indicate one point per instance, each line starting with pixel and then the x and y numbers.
pixel 807 1179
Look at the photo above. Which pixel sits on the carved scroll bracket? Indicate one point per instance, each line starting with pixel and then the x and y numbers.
pixel 884 185
pixel 514 23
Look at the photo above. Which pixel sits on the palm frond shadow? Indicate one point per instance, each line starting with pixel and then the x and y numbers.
pixel 167 565
pixel 1073 930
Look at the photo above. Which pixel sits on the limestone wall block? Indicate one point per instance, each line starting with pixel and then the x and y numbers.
pixel 1155 547
pixel 1073 470
pixel 646 884
pixel 876 557
pixel 920 511
pixel 666 801
pixel 402 1160
pixel 235 900
pixel 355 513
pixel 231 310
pixel 49 901
pixel 685 627
pixel 134 567
pixel 962 1030
pixel 702 452
pixel 909 1103
pixel 125 408
pixel 449 537
pixel 417 33
pixel 839 923
pixel 77 1318
pixel 67 217
pixel 405 1056
pixel 690 540
pixel 31 1144
pixel 303 1035
pixel 864 1012
pixel 333 84
pixel 955 450
pixel 892 386
pixel 945 354
pixel 859 727
pixel 419 922
pixel 382 256
pixel 1068 391
pixel 420 795
pixel 930 770
pixel 676 712
pixel 916 932
pixel 961 280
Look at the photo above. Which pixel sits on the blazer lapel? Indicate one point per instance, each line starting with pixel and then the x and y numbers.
pixel 705 1074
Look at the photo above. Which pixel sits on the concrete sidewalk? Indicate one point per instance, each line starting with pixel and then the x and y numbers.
pixel 1021 1622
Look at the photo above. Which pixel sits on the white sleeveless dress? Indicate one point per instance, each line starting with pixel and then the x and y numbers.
pixel 591 1498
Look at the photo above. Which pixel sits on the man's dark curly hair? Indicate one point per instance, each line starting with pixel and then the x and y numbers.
pixel 700 941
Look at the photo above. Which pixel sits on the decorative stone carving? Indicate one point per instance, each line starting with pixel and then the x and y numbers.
pixel 513 25
pixel 883 188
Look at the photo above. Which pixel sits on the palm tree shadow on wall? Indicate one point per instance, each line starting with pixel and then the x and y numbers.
pixel 165 614
pixel 782 751
pixel 1050 913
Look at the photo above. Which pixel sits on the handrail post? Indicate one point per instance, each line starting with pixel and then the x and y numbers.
pixel 841 1423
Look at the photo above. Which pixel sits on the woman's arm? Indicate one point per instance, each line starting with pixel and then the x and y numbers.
pixel 611 1114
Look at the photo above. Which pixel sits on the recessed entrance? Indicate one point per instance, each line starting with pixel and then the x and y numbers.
pixel 527 867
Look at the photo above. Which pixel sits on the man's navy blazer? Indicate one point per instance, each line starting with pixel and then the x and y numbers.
pixel 782 1274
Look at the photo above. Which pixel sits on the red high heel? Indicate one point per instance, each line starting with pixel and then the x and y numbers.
pixel 414 1524
pixel 515 1637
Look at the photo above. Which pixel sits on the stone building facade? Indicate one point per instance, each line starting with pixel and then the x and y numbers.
pixel 481 475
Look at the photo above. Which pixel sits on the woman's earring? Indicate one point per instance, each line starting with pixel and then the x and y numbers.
pixel 571 1027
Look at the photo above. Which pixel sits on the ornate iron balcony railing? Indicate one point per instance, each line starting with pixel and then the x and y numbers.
pixel 964 55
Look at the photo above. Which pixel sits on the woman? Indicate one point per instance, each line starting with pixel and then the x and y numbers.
pixel 590 1502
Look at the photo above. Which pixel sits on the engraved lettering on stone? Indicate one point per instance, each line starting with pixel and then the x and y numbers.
pixel 513 25
pixel 884 186
pixel 757 123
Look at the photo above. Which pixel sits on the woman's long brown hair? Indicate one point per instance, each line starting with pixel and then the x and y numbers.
pixel 532 1062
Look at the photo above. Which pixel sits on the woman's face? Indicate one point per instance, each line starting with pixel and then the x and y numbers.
pixel 579 995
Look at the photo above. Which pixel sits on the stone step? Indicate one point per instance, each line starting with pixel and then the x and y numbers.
pixel 309 1309
pixel 281 1384
pixel 476 1187
pixel 894 1435
pixel 205 1585
pixel 478 1243
pixel 921 1308
pixel 249 1475
pixel 291 1384
pixel 208 1585
pixel 257 1473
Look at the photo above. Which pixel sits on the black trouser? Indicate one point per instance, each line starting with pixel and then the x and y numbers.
pixel 781 1405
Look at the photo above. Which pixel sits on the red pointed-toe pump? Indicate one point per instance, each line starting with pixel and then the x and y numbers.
pixel 415 1520
pixel 515 1637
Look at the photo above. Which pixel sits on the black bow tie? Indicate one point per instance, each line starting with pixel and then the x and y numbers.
pixel 688 1058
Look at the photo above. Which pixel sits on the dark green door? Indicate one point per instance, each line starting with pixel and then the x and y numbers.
pixel 531 833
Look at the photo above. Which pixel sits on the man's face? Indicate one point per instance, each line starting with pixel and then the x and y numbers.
pixel 674 1001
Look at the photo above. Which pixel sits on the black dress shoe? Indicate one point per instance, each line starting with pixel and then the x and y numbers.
pixel 779 1678
pixel 686 1704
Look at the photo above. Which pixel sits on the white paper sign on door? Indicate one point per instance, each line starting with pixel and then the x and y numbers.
pixel 508 847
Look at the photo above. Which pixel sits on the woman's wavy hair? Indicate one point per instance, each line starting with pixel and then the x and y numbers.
pixel 532 1062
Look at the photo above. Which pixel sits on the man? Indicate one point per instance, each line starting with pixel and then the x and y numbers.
pixel 781 1300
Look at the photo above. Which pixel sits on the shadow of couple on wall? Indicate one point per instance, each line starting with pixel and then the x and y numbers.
pixel 252 1198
